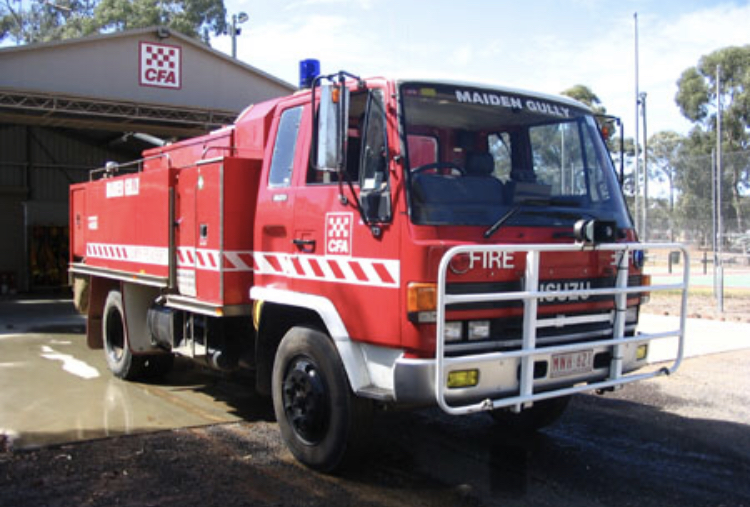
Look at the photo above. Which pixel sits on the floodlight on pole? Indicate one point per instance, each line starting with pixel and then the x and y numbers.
pixel 237 19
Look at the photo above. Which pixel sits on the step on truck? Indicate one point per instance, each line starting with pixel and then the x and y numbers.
pixel 371 242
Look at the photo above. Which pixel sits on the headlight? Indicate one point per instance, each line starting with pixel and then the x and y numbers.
pixel 631 316
pixel 453 331
pixel 479 329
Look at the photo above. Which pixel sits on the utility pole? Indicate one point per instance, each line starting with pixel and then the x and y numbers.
pixel 636 186
pixel 720 226
pixel 644 203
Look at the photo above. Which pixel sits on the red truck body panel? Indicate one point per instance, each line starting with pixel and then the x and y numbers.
pixel 122 225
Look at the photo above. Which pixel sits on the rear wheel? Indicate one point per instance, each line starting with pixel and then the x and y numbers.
pixel 322 423
pixel 540 415
pixel 120 360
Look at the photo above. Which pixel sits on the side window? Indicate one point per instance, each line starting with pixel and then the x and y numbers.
pixel 599 188
pixel 375 156
pixel 282 161
pixel 500 148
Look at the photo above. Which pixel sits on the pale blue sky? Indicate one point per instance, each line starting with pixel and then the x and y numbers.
pixel 543 45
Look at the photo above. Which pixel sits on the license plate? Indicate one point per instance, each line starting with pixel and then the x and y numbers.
pixel 572 363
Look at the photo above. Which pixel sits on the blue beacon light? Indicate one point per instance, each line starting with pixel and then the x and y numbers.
pixel 308 70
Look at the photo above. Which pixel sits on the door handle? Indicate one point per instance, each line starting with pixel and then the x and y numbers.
pixel 304 244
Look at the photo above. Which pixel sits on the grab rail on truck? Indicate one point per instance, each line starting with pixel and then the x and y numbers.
pixel 530 296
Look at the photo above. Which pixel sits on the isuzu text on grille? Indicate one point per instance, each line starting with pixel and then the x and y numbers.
pixel 564 286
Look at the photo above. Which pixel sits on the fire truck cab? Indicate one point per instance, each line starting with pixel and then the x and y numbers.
pixel 371 242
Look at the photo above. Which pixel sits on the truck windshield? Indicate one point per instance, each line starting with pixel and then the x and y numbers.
pixel 474 154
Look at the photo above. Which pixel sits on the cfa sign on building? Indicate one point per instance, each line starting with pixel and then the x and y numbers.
pixel 160 65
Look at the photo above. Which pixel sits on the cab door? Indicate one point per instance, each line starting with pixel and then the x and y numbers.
pixel 275 212
pixel 346 247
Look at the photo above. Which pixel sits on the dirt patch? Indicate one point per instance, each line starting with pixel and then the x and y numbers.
pixel 702 306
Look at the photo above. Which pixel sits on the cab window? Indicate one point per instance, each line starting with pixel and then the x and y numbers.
pixel 282 161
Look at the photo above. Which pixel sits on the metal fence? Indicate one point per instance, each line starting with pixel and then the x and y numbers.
pixel 689 201
pixel 705 205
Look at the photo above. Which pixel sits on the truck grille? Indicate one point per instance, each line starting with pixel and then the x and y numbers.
pixel 515 286
pixel 506 334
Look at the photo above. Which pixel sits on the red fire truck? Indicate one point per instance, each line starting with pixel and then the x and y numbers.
pixel 370 242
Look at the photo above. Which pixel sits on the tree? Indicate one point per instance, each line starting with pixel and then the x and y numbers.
pixel 196 18
pixel 663 150
pixel 44 20
pixel 696 97
pixel 584 94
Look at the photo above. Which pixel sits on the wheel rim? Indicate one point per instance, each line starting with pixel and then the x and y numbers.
pixel 115 335
pixel 305 398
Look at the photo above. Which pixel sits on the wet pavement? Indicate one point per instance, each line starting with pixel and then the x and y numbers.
pixel 54 389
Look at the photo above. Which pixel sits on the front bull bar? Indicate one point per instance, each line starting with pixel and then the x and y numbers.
pixel 530 296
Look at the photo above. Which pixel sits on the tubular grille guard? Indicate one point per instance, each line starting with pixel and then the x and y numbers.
pixel 530 296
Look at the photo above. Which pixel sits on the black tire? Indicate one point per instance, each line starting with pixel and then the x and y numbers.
pixel 322 423
pixel 540 415
pixel 120 361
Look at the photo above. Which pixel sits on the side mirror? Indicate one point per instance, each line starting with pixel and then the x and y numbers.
pixel 592 232
pixel 332 127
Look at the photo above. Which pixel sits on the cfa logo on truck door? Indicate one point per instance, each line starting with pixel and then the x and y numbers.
pixel 161 65
pixel 339 233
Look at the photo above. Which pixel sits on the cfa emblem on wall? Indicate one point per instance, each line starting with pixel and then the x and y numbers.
pixel 160 65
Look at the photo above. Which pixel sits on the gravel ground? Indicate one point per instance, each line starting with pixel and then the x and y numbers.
pixel 702 306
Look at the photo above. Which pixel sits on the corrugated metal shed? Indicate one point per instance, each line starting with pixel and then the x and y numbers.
pixel 71 106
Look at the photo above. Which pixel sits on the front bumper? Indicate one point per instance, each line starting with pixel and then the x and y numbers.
pixel 499 377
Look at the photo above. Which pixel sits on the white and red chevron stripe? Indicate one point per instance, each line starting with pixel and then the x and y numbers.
pixel 202 258
pixel 153 255
pixel 351 270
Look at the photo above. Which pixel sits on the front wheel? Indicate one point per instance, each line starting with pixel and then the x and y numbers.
pixel 321 421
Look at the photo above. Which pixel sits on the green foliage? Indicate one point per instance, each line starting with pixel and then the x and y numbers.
pixel 697 98
pixel 46 20
pixel 584 94
pixel 43 21
pixel 663 151
pixel 696 95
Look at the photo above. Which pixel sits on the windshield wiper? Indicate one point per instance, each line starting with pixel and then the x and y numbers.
pixel 535 203
pixel 500 221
